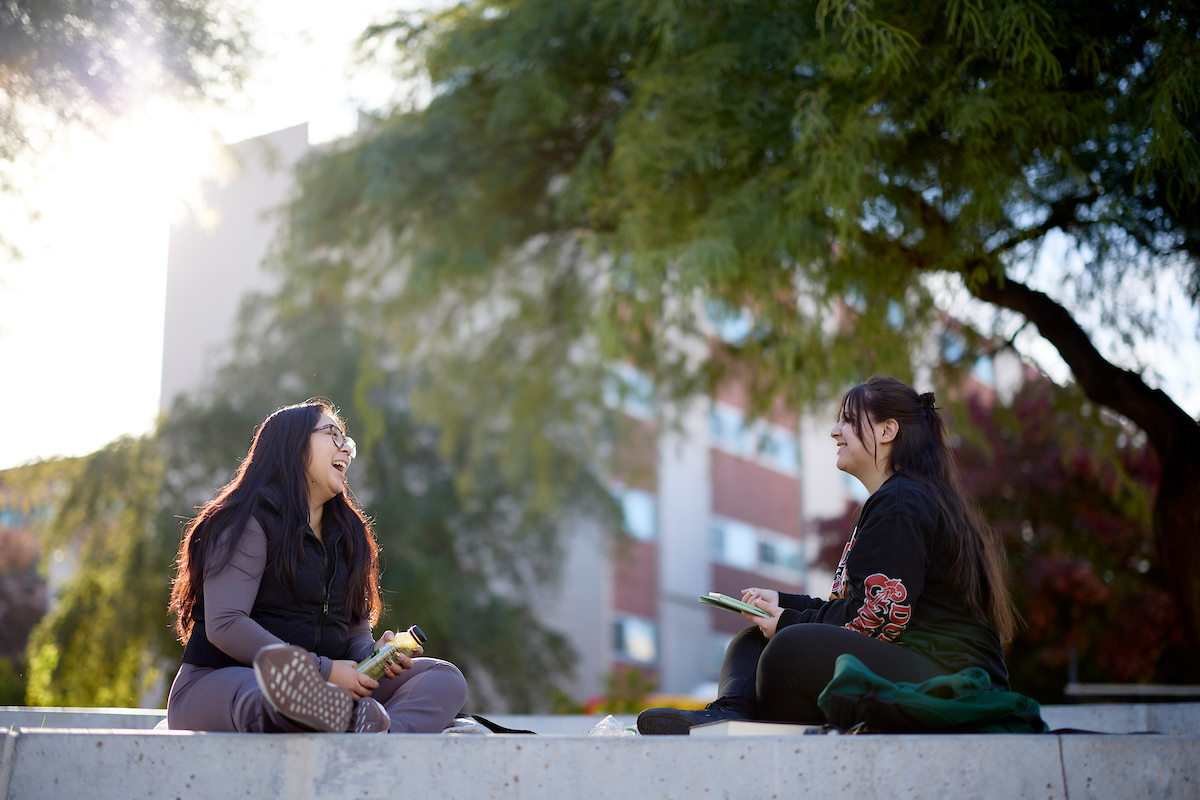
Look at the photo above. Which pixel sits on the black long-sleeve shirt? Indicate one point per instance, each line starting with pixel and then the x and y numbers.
pixel 893 583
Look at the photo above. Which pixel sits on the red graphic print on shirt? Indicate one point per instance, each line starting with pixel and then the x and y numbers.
pixel 839 578
pixel 883 614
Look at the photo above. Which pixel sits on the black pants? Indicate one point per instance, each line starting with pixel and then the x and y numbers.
pixel 780 679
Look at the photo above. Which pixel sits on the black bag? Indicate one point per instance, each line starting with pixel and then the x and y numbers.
pixel 491 726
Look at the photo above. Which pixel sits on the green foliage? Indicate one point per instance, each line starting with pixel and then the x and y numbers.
pixel 464 544
pixel 625 690
pixel 1071 489
pixel 103 642
pixel 22 589
pixel 590 178
pixel 802 161
pixel 12 683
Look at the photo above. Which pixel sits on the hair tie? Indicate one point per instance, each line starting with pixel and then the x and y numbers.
pixel 927 401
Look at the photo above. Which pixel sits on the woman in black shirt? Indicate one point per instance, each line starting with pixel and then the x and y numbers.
pixel 919 591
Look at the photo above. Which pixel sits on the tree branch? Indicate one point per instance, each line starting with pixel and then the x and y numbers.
pixel 1062 213
pixel 1167 425
pixel 1121 390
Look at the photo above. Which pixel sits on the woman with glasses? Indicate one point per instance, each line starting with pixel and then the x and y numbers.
pixel 276 591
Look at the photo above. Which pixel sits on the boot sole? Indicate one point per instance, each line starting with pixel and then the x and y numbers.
pixel 290 682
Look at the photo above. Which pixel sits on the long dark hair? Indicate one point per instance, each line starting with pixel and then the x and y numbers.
pixel 277 460
pixel 921 452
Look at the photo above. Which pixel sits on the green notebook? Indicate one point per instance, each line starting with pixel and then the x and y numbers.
pixel 729 604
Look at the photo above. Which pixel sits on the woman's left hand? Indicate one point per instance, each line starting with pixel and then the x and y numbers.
pixel 398 663
pixel 766 624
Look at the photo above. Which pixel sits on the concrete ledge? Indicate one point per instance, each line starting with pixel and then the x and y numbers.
pixel 129 765
pixel 1131 766
pixel 7 756
pixel 12 717
pixel 1180 719
pixel 48 762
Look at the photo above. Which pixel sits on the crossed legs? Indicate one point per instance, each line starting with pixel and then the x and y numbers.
pixel 422 700
pixel 781 679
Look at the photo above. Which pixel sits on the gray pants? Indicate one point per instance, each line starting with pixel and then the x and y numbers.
pixel 422 700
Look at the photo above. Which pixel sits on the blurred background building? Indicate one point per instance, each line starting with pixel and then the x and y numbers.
pixel 716 505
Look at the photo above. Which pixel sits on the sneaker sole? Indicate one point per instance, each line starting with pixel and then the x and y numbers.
pixel 369 717
pixel 663 724
pixel 291 683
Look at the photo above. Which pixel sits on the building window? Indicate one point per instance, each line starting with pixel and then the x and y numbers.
pixel 765 442
pixel 641 513
pixel 778 447
pixel 635 639
pixel 735 543
pixel 780 554
pixel 727 428
pixel 754 549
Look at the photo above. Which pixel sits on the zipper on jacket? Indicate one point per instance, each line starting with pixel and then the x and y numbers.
pixel 327 587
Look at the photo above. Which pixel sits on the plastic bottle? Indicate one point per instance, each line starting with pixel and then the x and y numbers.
pixel 611 726
pixel 406 643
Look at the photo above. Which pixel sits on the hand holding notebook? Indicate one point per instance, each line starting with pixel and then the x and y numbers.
pixel 729 604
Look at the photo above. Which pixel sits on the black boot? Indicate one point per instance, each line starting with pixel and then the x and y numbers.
pixel 676 722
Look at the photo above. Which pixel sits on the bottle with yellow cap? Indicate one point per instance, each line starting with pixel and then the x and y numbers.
pixel 406 643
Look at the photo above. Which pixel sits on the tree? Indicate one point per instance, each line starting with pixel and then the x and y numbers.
pixel 1071 490
pixel 22 601
pixel 462 564
pixel 100 644
pixel 86 62
pixel 590 177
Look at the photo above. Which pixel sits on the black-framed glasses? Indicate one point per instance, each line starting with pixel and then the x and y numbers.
pixel 340 439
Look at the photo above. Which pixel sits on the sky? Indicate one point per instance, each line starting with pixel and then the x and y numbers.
pixel 81 312
pixel 1170 360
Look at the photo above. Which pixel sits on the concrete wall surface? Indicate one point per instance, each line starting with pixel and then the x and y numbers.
pixel 1170 718
pixel 1177 719
pixel 127 764
pixel 12 717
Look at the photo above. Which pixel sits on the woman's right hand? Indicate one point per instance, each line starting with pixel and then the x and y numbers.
pixel 395 666
pixel 752 594
pixel 345 675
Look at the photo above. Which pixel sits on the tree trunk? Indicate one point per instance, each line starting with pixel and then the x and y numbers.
pixel 1174 435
